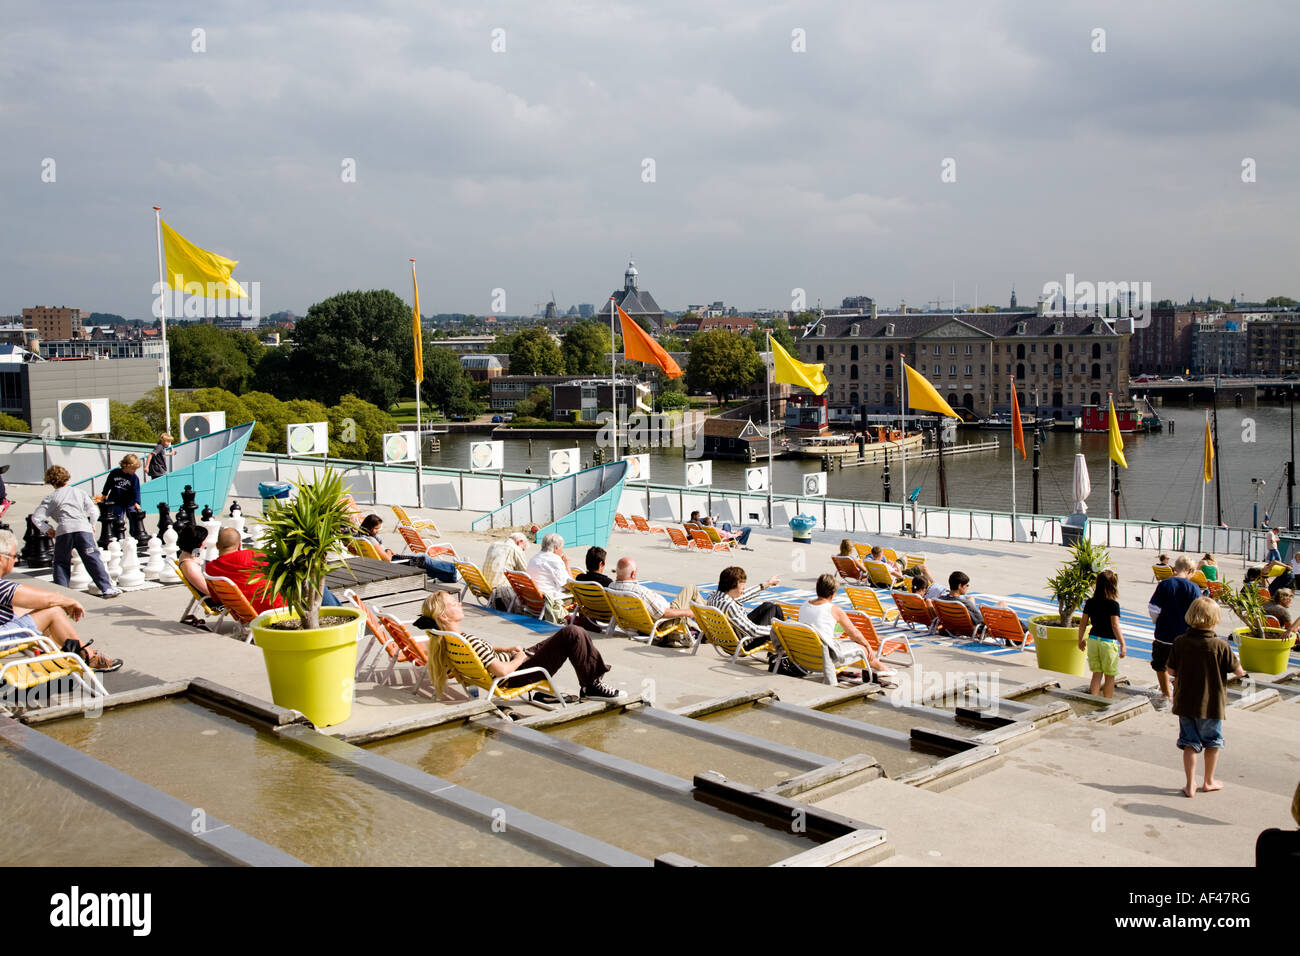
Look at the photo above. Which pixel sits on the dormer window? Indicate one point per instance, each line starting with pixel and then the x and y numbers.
pixel 855 330
pixel 1020 328
pixel 1058 328
pixel 889 328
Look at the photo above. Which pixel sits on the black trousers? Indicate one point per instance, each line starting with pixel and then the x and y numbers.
pixel 764 614
pixel 569 644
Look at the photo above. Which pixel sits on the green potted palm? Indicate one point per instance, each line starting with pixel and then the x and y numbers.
pixel 1264 649
pixel 1056 636
pixel 310 653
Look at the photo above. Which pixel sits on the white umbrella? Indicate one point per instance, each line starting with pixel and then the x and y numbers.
pixel 1082 485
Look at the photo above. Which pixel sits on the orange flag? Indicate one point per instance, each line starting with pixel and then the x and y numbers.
pixel 1017 432
pixel 638 346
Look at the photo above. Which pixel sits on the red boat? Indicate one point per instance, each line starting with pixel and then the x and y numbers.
pixel 1096 418
pixel 806 415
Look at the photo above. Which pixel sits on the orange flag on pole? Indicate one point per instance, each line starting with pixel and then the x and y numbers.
pixel 638 346
pixel 1017 431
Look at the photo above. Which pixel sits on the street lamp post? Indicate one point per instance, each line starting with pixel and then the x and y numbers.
pixel 1259 486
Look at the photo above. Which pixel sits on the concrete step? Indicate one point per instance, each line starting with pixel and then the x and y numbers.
pixel 1082 789
pixel 939 829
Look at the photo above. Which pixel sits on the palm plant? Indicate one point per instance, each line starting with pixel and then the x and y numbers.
pixel 1247 605
pixel 301 540
pixel 1074 580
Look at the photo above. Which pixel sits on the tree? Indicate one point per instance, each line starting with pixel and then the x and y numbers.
pixel 671 400
pixel 722 363
pixel 357 429
pixel 151 408
pixel 127 425
pixel 355 343
pixel 446 386
pixel 1283 301
pixel 586 347
pixel 204 356
pixel 534 352
pixel 671 342
pixel 780 330
pixel 275 373
pixel 536 405
pixel 12 423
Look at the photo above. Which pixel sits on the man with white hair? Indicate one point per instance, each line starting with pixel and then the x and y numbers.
pixel 47 612
pixel 503 556
pixel 549 569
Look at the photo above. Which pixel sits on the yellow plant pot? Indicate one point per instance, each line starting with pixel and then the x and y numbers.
pixel 1058 647
pixel 1264 655
pixel 312 671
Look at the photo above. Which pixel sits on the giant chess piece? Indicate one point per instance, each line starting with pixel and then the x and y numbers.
pixel 79 578
pixel 138 533
pixel 131 576
pixel 164 518
pixel 206 515
pixel 237 522
pixel 154 567
pixel 113 564
pixel 38 549
pixel 169 544
pixel 105 525
pixel 235 509
pixel 185 515
pixel 210 542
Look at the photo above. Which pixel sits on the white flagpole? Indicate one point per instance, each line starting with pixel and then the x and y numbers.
pixel 772 361
pixel 162 315
pixel 613 384
pixel 1014 398
pixel 902 428
pixel 1203 482
pixel 419 427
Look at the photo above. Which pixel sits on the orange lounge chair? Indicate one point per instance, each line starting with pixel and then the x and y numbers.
pixel 865 601
pixel 882 646
pixel 413 651
pixel 644 526
pixel 913 609
pixel 849 569
pixel 955 620
pixel 621 522
pixel 1216 589
pixel 677 539
pixel 1002 623
pixel 235 603
pixel 527 597
pixel 368 662
pixel 702 542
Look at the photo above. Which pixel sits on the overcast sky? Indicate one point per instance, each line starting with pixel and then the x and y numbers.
pixel 773 169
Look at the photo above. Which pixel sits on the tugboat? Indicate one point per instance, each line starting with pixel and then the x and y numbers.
pixel 1096 418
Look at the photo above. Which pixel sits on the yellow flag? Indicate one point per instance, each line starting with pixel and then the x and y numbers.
pixel 187 263
pixel 789 371
pixel 415 328
pixel 1209 452
pixel 921 394
pixel 1116 443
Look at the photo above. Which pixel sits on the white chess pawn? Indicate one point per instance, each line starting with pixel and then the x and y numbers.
pixel 114 562
pixel 132 576
pixel 169 544
pixel 79 579
pixel 210 542
pixel 154 567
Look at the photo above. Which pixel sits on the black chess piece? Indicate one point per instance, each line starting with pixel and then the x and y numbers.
pixel 105 525
pixel 136 518
pixel 207 513
pixel 164 518
pixel 235 509
pixel 185 515
pixel 38 548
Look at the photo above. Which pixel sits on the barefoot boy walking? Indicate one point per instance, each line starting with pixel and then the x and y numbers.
pixel 1197 662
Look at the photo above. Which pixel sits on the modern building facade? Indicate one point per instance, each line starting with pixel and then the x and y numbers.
pixel 31 388
pixel 56 322
pixel 1059 363
pixel 1164 346
pixel 1273 345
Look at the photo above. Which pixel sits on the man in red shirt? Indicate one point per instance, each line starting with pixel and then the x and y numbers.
pixel 243 566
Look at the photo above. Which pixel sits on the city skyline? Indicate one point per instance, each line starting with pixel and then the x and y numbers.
pixel 789 148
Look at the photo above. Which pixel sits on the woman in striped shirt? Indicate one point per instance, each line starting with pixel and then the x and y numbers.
pixel 441 611
pixel 752 627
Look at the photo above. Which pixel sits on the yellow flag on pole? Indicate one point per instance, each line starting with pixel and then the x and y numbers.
pixel 790 371
pixel 921 394
pixel 187 263
pixel 416 331
pixel 1209 452
pixel 1116 443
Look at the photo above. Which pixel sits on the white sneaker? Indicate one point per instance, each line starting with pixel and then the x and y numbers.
pixel 1161 703
pixel 111 593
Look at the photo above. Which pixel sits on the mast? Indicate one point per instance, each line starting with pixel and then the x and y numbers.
pixel 902 445
pixel 943 477
pixel 1290 468
pixel 1218 490
pixel 1037 435
pixel 613 380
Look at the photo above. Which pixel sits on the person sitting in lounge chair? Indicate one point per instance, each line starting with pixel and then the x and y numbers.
pixel 503 556
pixel 752 627
pixel 741 537
pixel 595 561
pixel 895 572
pixel 549 569
pixel 822 615
pixel 958 586
pixel 658 606
pixel 23 607
pixel 571 644
pixel 372 526
pixel 243 568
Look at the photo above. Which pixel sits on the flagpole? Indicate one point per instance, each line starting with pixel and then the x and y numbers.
pixel 419 428
pixel 613 385
pixel 772 356
pixel 1014 398
pixel 162 315
pixel 902 428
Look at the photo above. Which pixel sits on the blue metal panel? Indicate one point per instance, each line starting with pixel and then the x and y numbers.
pixel 595 494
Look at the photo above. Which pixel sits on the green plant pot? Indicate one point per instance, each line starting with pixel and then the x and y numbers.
pixel 312 671
pixel 1264 655
pixel 1058 647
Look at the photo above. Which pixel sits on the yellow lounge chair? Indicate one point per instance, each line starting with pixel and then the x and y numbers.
pixel 864 550
pixel 404 521
pixel 593 604
pixel 801 644
pixel 198 599
pixel 716 537
pixel 469 671
pixel 878 574
pixel 913 561
pixel 364 549
pixel 633 618
pixel 1198 578
pixel 29 659
pixel 791 611
pixel 890 554
pixel 475 583
pixel 717 630
pixel 1161 571
pixel 864 601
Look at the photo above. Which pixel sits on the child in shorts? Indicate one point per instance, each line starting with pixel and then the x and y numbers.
pixel 1105 646
pixel 1197 662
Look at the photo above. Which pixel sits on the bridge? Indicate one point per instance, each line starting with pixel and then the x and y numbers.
pixel 1236 391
